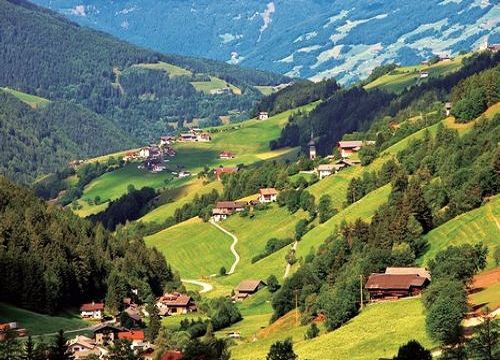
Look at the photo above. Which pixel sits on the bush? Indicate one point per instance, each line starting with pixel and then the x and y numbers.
pixel 272 283
pixel 312 332
pixel 282 351
pixel 412 350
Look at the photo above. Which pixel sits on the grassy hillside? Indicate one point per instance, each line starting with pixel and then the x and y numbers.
pixel 31 100
pixel 361 338
pixel 214 84
pixel 194 248
pixel 482 224
pixel 180 196
pixel 37 324
pixel 402 77
pixel 170 69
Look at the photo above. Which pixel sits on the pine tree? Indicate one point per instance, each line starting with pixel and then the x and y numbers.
pixel 154 322
pixel 59 349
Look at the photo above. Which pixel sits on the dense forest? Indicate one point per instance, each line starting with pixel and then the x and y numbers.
pixel 51 259
pixel 46 55
pixel 35 142
pixel 356 109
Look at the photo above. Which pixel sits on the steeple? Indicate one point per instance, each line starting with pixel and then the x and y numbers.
pixel 312 147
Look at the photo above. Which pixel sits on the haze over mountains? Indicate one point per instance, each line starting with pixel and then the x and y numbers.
pixel 301 38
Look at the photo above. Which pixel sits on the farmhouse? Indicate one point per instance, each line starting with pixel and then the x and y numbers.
pixel 135 315
pixel 129 156
pixel 10 328
pixel 136 337
pixel 494 48
pixel 268 195
pixel 447 108
pixel 105 334
pixel 263 115
pixel 92 311
pixel 247 288
pixel 223 209
pixel 423 272
pixel 188 137
pixel 204 137
pixel 166 140
pixel 424 74
pixel 226 155
pixel 347 148
pixel 325 170
pixel 391 286
pixel 224 170
pixel 175 303
pixel 82 346
pixel 221 91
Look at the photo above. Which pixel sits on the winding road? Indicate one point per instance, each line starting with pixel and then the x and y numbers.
pixel 233 246
pixel 206 286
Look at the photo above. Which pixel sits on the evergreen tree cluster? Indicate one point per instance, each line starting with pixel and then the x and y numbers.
pixel 35 142
pixel 50 259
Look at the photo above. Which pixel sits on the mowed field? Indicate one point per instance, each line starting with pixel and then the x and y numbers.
pixel 170 69
pixel 31 100
pixel 402 77
pixel 482 224
pixel 180 196
pixel 38 324
pixel 194 248
pixel 363 337
pixel 214 84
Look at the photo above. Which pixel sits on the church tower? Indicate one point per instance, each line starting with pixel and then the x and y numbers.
pixel 312 148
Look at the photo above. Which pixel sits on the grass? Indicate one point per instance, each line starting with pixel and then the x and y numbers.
pixel 112 185
pixel 180 196
pixel 464 128
pixel 38 324
pixel 489 297
pixel 104 158
pixel 265 90
pixel 482 224
pixel 364 337
pixel 194 248
pixel 171 70
pixel 402 77
pixel 214 84
pixel 31 100
pixel 403 144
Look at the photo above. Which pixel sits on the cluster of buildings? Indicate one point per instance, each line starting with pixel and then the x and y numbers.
pixel 175 304
pixel 397 282
pixel 195 135
pixel 152 157
pixel 10 328
pixel 224 209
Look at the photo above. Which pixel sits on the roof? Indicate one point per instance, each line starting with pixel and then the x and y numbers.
pixel 175 300
pixel 108 326
pixel 131 335
pixel 354 143
pixel 268 191
pixel 249 285
pixel 229 204
pixel 83 341
pixel 226 170
pixel 171 355
pixel 394 282
pixel 326 167
pixel 92 307
pixel 423 272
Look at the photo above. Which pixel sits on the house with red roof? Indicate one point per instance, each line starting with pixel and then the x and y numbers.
pixel 395 286
pixel 92 310
pixel 226 155
pixel 224 170
pixel 175 303
pixel 347 148
pixel 171 355
pixel 223 209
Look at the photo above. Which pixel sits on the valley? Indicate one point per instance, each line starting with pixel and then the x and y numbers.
pixel 161 206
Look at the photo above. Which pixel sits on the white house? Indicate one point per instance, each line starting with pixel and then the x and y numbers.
pixel 144 152
pixel 263 115
pixel 268 195
pixel 424 74
pixel 92 310
pixel 325 170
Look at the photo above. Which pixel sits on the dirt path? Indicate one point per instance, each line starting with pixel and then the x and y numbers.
pixel 233 246
pixel 288 266
pixel 206 287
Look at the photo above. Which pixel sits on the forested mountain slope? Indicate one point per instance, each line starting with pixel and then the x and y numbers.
pixel 51 259
pixel 307 38
pixel 46 55
pixel 35 142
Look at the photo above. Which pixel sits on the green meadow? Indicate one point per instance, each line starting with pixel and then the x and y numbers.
pixel 31 100
pixel 482 224
pixel 194 248
pixel 363 337
pixel 402 77
pixel 38 324
pixel 170 69
pixel 214 84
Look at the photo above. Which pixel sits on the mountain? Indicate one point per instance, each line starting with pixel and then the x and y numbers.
pixel 37 141
pixel 143 92
pixel 307 38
